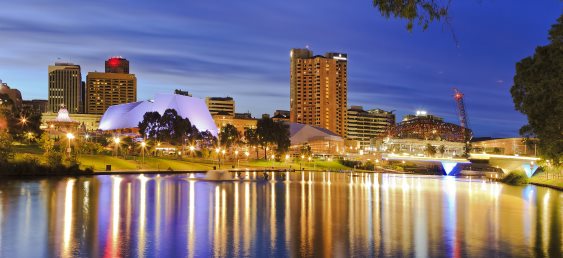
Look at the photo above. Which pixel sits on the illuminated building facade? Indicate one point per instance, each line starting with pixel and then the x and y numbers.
pixel 221 106
pixel 322 141
pixel 65 88
pixel 364 126
pixel 427 127
pixel 126 117
pixel 117 64
pixel 318 89
pixel 115 86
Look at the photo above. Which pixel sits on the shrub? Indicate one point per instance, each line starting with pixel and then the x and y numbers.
pixel 515 177
pixel 54 159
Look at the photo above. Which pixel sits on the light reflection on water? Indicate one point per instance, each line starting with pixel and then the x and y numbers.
pixel 303 214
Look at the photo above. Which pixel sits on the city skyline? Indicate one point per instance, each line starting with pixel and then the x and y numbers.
pixel 224 52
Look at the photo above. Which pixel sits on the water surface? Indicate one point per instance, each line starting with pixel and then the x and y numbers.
pixel 304 214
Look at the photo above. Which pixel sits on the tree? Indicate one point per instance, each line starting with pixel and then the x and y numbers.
pixel 538 93
pixel 270 133
pixel 150 126
pixel 421 12
pixel 251 138
pixel 305 150
pixel 430 150
pixel 229 136
pixel 442 150
pixel 46 143
pixel 5 146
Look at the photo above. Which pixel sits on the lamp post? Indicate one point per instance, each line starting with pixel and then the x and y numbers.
pixel 143 145
pixel 223 153
pixel 273 158
pixel 217 150
pixel 236 156
pixel 301 162
pixel 69 136
pixel 116 141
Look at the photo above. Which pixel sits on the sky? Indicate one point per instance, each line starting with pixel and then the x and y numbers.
pixel 241 49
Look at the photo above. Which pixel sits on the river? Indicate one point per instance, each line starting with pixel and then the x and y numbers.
pixel 303 214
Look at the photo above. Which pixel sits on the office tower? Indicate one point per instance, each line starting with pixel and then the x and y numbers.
pixel 220 105
pixel 65 87
pixel 318 90
pixel 117 64
pixel 365 126
pixel 111 88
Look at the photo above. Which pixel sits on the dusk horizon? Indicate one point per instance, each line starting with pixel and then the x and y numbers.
pixel 242 50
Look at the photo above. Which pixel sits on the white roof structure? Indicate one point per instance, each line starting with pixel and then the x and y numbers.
pixel 302 133
pixel 62 116
pixel 129 115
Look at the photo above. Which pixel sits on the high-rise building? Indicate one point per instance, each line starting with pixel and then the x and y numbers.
pixel 117 64
pixel 318 89
pixel 115 86
pixel 365 126
pixel 220 105
pixel 65 87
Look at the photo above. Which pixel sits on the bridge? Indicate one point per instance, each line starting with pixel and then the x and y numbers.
pixel 506 163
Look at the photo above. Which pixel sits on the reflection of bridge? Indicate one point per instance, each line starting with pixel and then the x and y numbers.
pixel 505 162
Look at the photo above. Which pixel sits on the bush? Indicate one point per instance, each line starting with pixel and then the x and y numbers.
pixel 515 177
pixel 54 159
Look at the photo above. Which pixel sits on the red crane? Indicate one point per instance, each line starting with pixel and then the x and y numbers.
pixel 458 96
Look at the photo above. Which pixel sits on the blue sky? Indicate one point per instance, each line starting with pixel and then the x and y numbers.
pixel 241 49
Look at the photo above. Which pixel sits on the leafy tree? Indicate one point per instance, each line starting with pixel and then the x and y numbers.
pixel 150 126
pixel 538 93
pixel 306 150
pixel 207 140
pixel 430 150
pixel 270 133
pixel 251 138
pixel 421 12
pixel 5 146
pixel 229 136
pixel 442 150
pixel 281 137
pixel 46 143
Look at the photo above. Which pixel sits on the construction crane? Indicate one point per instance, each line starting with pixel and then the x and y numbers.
pixel 458 96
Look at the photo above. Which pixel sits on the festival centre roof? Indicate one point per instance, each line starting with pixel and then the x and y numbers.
pixel 301 133
pixel 130 114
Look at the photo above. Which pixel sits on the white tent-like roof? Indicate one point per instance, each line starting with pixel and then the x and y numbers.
pixel 302 133
pixel 131 114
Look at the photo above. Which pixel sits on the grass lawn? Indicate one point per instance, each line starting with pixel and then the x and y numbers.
pixel 553 180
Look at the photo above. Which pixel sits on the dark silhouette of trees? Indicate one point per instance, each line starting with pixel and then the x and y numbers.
pixel 538 93
pixel 229 136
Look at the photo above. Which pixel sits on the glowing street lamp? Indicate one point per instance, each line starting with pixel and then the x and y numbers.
pixel 116 141
pixel 69 136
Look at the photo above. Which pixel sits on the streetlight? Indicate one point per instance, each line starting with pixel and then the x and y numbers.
pixel 218 150
pixel 273 158
pixel 143 145
pixel 116 141
pixel 69 136
pixel 192 149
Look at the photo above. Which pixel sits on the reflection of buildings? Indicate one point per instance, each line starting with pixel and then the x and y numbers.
pixel 187 107
pixel 318 89
pixel 115 86
pixel 65 87
pixel 427 127
pixel 321 141
pixel 506 146
pixel 221 106
pixel 364 126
